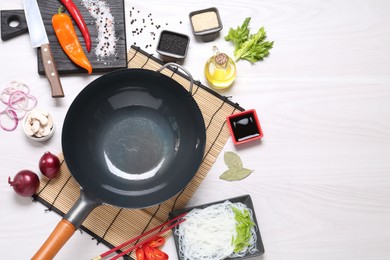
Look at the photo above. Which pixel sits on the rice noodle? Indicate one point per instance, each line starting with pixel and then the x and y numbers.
pixel 207 233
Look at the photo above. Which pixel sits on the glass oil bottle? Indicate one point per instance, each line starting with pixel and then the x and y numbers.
pixel 220 70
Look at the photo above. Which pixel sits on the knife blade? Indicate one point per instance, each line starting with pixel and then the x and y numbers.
pixel 39 39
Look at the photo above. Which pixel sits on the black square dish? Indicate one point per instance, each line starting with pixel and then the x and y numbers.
pixel 206 23
pixel 246 200
pixel 172 46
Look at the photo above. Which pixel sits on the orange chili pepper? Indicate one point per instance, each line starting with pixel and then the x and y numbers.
pixel 76 15
pixel 67 37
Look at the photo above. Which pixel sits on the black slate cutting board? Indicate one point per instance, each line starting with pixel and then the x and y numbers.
pixel 64 64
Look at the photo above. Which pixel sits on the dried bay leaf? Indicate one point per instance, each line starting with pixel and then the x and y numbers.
pixel 232 160
pixel 235 174
pixel 236 171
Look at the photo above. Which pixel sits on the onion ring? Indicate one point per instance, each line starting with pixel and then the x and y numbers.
pixel 18 100
pixel 14 116
pixel 18 86
pixel 34 100
pixel 11 113
pixel 13 86
pixel 4 96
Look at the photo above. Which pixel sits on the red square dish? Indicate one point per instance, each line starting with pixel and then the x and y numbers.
pixel 244 126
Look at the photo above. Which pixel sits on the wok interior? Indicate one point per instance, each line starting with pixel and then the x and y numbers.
pixel 133 138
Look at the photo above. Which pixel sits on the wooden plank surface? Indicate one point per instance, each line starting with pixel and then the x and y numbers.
pixel 321 182
pixel 64 64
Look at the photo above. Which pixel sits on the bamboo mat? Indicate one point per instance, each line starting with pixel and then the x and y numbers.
pixel 112 225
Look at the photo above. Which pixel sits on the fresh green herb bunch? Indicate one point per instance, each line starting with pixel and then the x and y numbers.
pixel 251 47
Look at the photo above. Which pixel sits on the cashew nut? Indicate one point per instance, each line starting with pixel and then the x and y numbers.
pixel 36 115
pixel 35 126
pixel 38 123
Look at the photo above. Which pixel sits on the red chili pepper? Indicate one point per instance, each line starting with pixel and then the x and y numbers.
pixel 159 241
pixel 140 254
pixel 154 254
pixel 76 15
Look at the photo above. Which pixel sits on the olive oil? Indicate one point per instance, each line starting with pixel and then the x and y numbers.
pixel 220 70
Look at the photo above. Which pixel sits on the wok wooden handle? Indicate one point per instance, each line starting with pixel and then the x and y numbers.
pixel 60 235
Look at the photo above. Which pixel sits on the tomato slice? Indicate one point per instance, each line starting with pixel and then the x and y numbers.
pixel 140 254
pixel 159 255
pixel 152 253
pixel 159 241
pixel 149 253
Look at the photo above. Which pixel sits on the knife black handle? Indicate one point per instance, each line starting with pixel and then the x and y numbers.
pixel 51 71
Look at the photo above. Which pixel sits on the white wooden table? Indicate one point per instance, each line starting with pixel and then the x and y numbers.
pixel 321 186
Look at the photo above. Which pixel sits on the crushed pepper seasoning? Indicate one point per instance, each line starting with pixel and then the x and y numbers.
pixel 106 41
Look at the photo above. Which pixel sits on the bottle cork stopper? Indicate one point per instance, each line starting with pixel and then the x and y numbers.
pixel 221 59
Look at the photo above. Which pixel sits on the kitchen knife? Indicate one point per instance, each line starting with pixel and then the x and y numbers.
pixel 39 38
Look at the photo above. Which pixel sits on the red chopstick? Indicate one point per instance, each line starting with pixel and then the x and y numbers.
pixel 147 240
pixel 140 236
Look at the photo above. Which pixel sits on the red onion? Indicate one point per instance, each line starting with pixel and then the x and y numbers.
pixel 34 102
pixel 49 164
pixel 5 96
pixel 16 97
pixel 25 183
pixel 18 100
pixel 19 113
pixel 21 101
pixel 13 116
pixel 12 87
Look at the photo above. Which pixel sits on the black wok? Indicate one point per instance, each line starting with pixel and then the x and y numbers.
pixel 132 138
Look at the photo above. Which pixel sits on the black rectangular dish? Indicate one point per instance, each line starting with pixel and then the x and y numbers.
pixel 247 201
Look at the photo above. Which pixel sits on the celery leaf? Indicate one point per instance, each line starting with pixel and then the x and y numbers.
pixel 251 47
